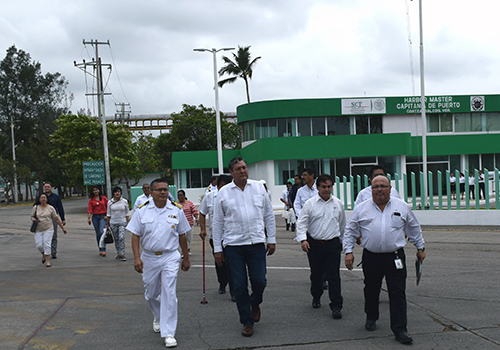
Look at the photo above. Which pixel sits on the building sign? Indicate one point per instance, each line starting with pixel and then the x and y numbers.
pixel 93 173
pixel 436 104
pixel 363 106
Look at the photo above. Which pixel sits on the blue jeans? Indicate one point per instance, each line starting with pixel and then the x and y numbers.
pixel 240 258
pixel 99 222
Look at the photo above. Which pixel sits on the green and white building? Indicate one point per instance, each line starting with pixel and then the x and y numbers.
pixel 346 136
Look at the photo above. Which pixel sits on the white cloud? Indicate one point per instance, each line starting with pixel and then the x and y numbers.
pixel 309 49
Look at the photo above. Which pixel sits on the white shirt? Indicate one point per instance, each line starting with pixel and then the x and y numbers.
pixel 481 178
pixel 141 199
pixel 462 179
pixel 159 228
pixel 366 193
pixel 303 194
pixel 453 179
pixel 210 188
pixel 284 196
pixel 382 232
pixel 240 216
pixel 322 220
pixel 207 208
pixel 471 180
pixel 118 211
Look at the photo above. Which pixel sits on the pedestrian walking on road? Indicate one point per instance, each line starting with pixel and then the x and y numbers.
pixel 44 213
pixel 159 226
pixel 382 223
pixel 117 219
pixel 97 209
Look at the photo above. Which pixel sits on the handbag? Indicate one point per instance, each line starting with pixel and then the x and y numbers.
pixel 109 236
pixel 34 223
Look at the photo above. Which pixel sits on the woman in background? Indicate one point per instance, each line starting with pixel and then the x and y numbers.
pixel 190 211
pixel 43 212
pixel 98 206
pixel 117 217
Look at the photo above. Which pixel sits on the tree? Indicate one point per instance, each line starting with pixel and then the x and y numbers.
pixel 145 152
pixel 194 129
pixel 78 138
pixel 241 67
pixel 33 101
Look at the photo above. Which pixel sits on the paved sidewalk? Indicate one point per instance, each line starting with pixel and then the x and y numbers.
pixel 88 302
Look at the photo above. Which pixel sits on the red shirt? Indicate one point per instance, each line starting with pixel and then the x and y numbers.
pixel 190 211
pixel 97 206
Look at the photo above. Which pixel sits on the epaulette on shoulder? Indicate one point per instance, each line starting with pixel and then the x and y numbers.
pixel 176 204
pixel 143 204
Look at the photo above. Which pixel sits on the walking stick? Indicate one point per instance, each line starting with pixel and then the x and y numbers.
pixel 204 301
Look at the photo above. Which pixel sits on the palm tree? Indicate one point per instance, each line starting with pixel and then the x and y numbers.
pixel 241 67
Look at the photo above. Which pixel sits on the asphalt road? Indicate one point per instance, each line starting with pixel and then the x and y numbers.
pixel 85 301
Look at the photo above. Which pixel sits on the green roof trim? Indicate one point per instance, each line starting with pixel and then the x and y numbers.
pixel 399 105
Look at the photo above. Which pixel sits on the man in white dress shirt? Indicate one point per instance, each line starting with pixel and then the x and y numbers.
pixel 160 227
pixel 143 197
pixel 320 231
pixel 307 191
pixel 242 209
pixel 366 193
pixel 382 223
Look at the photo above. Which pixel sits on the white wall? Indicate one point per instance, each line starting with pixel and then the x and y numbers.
pixel 402 123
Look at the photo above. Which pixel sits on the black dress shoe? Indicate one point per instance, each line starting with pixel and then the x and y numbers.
pixel 316 304
pixel 370 325
pixel 222 290
pixel 404 338
pixel 325 285
pixel 337 314
pixel 233 298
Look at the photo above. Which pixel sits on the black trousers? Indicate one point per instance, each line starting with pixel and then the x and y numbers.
pixel 375 268
pixel 324 261
pixel 481 190
pixel 223 272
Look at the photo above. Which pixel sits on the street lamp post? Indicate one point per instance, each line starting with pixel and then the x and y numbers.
pixel 217 111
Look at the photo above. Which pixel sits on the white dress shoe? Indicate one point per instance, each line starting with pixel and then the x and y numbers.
pixel 170 342
pixel 156 325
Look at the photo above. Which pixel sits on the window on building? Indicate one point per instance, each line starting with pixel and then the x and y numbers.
pixel 468 122
pixel 362 125
pixel 304 125
pixel 488 161
pixel 433 123
pixel 338 125
pixel 318 126
pixel 375 124
pixel 281 126
pixel 291 126
pixel 273 131
pixel 492 121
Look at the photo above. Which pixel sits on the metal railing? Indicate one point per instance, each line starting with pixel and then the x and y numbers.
pixel 411 190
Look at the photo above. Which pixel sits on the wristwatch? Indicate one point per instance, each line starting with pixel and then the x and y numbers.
pixel 421 249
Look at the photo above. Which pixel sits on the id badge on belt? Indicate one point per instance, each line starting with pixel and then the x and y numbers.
pixel 398 262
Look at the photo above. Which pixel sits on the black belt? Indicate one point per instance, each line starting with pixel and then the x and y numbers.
pixel 319 240
pixel 394 252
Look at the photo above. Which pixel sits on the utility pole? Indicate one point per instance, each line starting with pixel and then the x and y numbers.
pixel 100 105
pixel 14 192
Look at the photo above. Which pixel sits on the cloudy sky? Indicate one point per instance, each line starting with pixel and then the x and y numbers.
pixel 309 48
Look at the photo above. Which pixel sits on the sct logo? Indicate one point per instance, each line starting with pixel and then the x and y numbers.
pixel 356 104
